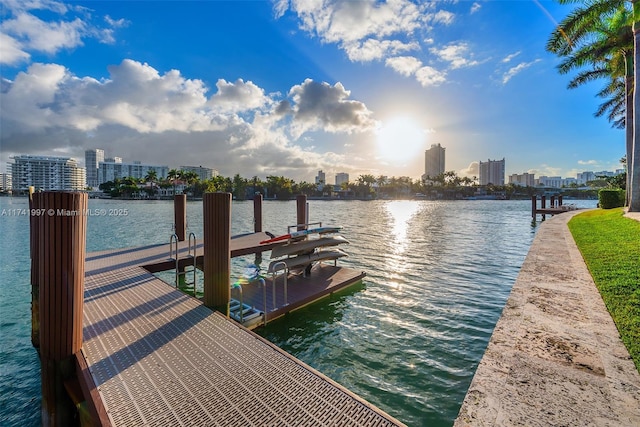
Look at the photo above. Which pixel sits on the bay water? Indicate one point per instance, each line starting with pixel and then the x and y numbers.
pixel 407 340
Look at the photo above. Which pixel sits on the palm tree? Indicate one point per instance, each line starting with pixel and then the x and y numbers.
pixel 151 176
pixel 599 36
pixel 173 176
pixel 605 24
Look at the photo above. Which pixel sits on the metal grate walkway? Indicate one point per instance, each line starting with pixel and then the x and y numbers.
pixel 159 357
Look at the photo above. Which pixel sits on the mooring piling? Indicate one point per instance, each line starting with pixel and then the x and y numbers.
pixel 217 251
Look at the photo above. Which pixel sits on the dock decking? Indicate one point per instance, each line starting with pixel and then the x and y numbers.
pixel 160 357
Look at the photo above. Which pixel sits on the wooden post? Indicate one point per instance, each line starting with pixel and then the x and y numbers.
pixel 61 256
pixel 217 251
pixel 543 203
pixel 257 213
pixel 180 215
pixel 559 200
pixel 301 211
pixel 552 204
pixel 34 207
pixel 534 202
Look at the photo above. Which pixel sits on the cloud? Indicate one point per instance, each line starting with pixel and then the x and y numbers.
pixel 472 170
pixel 508 58
pixel 344 22
pixel 457 54
pixel 405 65
pixel 140 113
pixel 322 106
pixel 516 70
pixel 238 96
pixel 429 76
pixel 372 49
pixel 443 17
pixel 24 32
pixel 475 7
pixel 588 162
pixel 375 31
pixel 11 52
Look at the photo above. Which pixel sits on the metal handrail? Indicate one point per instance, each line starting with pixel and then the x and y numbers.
pixel 264 298
pixel 193 256
pixel 174 237
pixel 285 274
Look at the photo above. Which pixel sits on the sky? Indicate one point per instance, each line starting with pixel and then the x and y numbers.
pixel 290 87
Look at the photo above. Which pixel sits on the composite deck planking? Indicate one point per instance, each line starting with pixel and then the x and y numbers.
pixel 160 357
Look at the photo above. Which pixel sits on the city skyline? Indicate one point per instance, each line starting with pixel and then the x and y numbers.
pixel 286 88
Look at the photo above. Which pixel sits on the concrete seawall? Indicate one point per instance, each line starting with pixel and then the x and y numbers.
pixel 555 356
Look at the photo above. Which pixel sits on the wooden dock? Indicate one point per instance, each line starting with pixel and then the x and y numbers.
pixel 159 357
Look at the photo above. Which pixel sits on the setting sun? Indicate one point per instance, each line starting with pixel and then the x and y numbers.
pixel 400 140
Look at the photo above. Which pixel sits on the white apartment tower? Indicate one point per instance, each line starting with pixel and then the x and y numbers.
pixel 341 178
pixel 492 172
pixel 110 170
pixel 202 172
pixel 92 159
pixel 525 180
pixel 434 161
pixel 46 173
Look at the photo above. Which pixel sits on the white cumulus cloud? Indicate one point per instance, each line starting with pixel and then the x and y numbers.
pixel 513 71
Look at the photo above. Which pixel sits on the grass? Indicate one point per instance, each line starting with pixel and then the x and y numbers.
pixel 610 246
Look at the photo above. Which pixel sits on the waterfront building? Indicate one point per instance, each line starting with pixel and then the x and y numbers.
pixel 321 180
pixel 341 178
pixel 584 177
pixel 46 173
pixel 92 159
pixel 555 181
pixel 110 170
pixel 202 172
pixel 113 160
pixel 434 161
pixel 492 172
pixel 525 180
pixel 5 182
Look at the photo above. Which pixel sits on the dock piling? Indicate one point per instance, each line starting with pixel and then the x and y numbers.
pixel 217 251
pixel 61 244
pixel 180 216
pixel 35 288
pixel 257 213
pixel 301 211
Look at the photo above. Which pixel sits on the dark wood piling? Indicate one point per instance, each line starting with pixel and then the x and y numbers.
pixel 301 211
pixel 34 208
pixel 257 213
pixel 180 216
pixel 217 251
pixel 61 230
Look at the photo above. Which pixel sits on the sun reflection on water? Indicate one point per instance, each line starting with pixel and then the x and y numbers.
pixel 401 212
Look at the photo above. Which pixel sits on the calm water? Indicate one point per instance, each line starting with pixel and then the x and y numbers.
pixel 408 340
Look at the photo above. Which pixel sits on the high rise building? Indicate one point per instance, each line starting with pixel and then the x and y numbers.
pixel 46 173
pixel 92 159
pixel 109 171
pixel 5 182
pixel 434 161
pixel 321 179
pixel 341 178
pixel 492 172
pixel 203 173
pixel 524 180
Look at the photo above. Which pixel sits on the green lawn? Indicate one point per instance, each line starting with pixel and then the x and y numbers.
pixel 610 246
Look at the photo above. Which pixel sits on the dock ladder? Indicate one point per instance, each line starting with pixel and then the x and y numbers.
pixel 191 255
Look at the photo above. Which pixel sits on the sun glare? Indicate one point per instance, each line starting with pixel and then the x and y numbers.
pixel 400 140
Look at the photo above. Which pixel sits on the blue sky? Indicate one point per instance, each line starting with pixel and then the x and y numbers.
pixel 291 87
